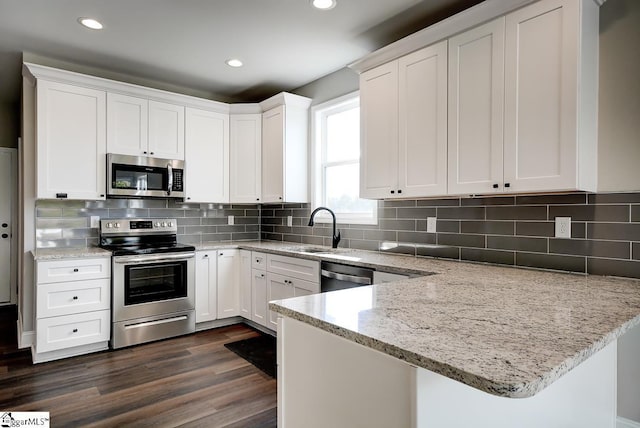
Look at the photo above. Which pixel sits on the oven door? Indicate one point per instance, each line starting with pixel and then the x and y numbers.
pixel 157 284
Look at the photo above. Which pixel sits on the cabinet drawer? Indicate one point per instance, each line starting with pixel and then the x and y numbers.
pixel 66 298
pixel 72 330
pixel 73 270
pixel 258 260
pixel 309 270
pixel 299 287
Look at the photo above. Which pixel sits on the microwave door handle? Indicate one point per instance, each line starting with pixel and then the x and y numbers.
pixel 170 179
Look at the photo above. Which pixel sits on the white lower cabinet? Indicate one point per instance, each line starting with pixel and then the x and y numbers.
pixel 228 283
pixel 259 296
pixel 246 302
pixel 206 286
pixel 73 306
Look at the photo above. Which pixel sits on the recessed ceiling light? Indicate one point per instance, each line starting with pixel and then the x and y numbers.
pixel 234 62
pixel 90 23
pixel 324 4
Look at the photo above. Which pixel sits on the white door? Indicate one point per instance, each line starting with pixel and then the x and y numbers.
pixel 278 287
pixel 245 284
pixel 246 158
pixel 540 137
pixel 476 105
pixel 7 196
pixel 228 283
pixel 127 125
pixel 259 296
pixel 273 155
pixel 71 142
pixel 206 287
pixel 379 132
pixel 422 122
pixel 166 130
pixel 206 156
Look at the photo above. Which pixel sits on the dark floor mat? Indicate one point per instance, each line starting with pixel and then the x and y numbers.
pixel 259 351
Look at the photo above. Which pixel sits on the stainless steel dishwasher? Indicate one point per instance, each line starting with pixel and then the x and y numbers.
pixel 338 277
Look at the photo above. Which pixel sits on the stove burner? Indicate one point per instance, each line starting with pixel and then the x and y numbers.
pixel 124 237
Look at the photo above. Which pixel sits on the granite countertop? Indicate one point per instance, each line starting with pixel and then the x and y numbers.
pixel 507 331
pixel 69 253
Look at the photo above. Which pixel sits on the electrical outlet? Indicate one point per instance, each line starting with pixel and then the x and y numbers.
pixel 431 224
pixel 289 220
pixel 95 221
pixel 230 220
pixel 563 227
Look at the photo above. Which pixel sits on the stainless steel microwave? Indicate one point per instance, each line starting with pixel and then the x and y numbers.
pixel 141 176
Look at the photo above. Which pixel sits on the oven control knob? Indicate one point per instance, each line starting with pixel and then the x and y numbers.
pixel 108 225
pixel 164 224
pixel 117 225
pixel 157 224
pixel 170 224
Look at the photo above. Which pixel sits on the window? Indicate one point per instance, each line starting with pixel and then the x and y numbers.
pixel 336 162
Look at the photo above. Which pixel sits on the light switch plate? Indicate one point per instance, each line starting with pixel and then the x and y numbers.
pixel 230 220
pixel 95 221
pixel 563 227
pixel 431 224
pixel 289 220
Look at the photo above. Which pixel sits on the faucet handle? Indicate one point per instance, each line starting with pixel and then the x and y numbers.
pixel 336 239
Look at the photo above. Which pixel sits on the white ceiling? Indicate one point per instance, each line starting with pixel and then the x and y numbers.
pixel 283 43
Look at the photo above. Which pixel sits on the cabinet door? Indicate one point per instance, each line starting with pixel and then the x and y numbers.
pixel 540 96
pixel 273 154
pixel 245 284
pixel 246 158
pixel 207 156
pixel 379 132
pixel 71 142
pixel 422 134
pixel 228 283
pixel 278 288
pixel 259 297
pixel 166 130
pixel 127 125
pixel 206 288
pixel 476 94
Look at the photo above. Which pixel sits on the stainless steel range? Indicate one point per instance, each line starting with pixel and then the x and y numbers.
pixel 152 280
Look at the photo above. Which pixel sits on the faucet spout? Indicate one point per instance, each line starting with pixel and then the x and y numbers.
pixel 336 236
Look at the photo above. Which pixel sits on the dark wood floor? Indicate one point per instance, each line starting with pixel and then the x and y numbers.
pixel 190 381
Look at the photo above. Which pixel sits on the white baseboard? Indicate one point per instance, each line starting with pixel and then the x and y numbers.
pixel 626 423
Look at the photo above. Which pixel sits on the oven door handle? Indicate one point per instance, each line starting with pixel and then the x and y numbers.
pixel 158 258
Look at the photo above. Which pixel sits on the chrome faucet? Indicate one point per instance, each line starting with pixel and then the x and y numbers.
pixel 335 237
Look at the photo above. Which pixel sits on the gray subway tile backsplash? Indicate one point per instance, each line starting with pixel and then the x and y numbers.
pixel 503 229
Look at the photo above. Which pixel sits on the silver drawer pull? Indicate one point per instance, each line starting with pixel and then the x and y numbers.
pixel 342 277
pixel 158 322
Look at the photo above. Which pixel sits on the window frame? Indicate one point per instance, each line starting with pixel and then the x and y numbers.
pixel 319 113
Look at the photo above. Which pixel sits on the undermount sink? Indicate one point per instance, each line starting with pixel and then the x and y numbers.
pixel 318 250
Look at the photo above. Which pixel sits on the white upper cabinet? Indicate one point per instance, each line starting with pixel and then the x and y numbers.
pixel 71 142
pixel 284 148
pixel 550 96
pixel 521 106
pixel 138 127
pixel 206 156
pixel 403 107
pixel 379 131
pixel 246 158
pixel 476 104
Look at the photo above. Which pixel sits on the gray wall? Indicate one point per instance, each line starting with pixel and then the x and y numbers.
pixel 9 124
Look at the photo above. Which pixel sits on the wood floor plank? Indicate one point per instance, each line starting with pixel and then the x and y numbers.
pixel 189 381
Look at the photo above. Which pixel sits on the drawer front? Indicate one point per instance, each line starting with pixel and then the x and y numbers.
pixel 258 260
pixel 308 270
pixel 302 287
pixel 72 330
pixel 73 270
pixel 66 298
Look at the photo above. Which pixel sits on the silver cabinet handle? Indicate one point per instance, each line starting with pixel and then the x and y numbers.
pixel 350 278
pixel 170 179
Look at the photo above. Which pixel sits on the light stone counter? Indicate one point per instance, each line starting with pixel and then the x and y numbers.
pixel 69 253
